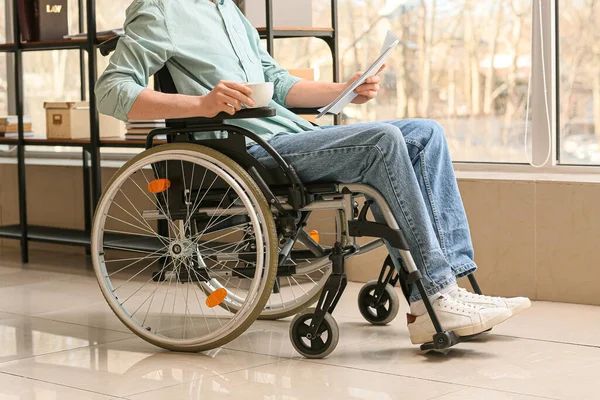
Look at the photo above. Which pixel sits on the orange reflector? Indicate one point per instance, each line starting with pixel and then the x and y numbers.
pixel 315 236
pixel 159 185
pixel 216 298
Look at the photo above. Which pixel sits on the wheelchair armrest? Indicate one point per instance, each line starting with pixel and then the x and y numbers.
pixel 108 46
pixel 262 112
pixel 304 111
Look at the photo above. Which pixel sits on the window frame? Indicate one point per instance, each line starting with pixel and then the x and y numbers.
pixel 538 128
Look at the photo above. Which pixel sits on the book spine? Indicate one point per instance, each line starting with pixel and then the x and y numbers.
pixel 53 19
pixel 36 21
pixel 24 20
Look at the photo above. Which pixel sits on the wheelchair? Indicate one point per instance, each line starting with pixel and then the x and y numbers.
pixel 194 239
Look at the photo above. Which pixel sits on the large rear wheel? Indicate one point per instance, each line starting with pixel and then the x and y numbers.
pixel 171 220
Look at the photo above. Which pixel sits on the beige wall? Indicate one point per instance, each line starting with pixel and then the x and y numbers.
pixel 538 239
pixel 54 198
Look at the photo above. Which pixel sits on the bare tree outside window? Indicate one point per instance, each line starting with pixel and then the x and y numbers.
pixel 464 63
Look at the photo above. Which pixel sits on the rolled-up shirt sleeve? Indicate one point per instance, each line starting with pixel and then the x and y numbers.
pixel 141 52
pixel 280 77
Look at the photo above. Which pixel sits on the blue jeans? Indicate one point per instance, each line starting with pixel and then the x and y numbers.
pixel 409 163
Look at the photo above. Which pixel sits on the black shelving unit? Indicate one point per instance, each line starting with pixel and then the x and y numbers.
pixel 90 148
pixel 46 234
pixel 328 35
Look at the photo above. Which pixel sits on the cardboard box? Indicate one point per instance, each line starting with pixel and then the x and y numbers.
pixel 286 13
pixel 71 120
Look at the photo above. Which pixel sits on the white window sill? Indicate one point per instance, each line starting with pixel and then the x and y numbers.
pixel 581 174
pixel 578 174
pixel 526 176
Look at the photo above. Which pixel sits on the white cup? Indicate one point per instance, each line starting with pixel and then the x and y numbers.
pixel 262 93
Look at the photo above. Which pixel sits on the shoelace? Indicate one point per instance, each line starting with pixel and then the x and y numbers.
pixel 462 292
pixel 460 306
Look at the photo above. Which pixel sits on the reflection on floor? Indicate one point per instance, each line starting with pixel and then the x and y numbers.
pixel 59 340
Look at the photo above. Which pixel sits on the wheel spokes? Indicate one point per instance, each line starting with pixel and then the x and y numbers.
pixel 153 271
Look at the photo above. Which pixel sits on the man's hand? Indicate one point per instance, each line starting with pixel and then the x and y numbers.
pixel 368 90
pixel 309 94
pixel 225 97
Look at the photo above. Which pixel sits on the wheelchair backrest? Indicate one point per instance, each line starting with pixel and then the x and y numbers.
pixel 163 81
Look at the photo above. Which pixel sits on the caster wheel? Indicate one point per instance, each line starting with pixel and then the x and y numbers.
pixel 386 312
pixel 316 347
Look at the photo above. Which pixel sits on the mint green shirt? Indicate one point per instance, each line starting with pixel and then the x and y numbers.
pixel 202 42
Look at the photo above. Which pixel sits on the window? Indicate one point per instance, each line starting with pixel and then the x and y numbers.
pixel 579 56
pixel 4 60
pixel 4 57
pixel 110 14
pixel 464 63
pixel 49 76
pixel 4 35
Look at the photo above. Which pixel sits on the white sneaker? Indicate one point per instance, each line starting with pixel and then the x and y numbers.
pixel 515 304
pixel 463 318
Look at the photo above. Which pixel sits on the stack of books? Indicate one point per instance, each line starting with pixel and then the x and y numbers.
pixel 9 127
pixel 138 130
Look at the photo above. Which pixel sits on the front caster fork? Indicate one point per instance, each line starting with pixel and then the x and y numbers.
pixel 332 291
pixel 388 275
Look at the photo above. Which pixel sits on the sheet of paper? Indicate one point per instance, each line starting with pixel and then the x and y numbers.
pixel 390 40
pixel 336 107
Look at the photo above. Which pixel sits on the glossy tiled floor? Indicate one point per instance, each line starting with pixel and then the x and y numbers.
pixel 58 340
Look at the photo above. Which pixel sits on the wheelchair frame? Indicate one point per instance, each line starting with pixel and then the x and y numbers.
pixel 288 195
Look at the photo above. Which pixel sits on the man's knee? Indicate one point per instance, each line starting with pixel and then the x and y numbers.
pixel 389 135
pixel 423 131
pixel 431 129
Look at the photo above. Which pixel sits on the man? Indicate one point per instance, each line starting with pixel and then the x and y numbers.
pixel 210 47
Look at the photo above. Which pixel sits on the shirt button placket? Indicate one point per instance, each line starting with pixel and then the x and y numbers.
pixel 231 32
